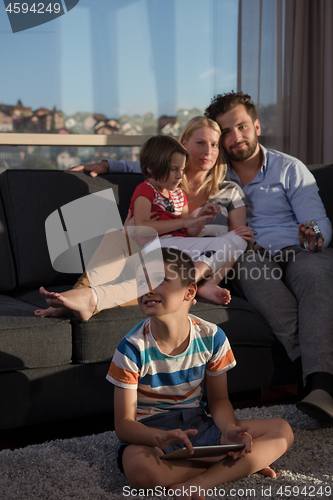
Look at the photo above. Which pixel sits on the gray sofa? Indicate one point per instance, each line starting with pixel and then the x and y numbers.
pixel 54 368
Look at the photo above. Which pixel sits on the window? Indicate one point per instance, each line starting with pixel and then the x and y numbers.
pixel 131 67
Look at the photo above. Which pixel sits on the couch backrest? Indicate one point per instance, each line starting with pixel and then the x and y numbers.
pixel 7 273
pixel 29 197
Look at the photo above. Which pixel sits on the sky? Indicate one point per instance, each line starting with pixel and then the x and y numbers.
pixel 123 57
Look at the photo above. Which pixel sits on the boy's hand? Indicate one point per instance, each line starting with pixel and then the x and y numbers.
pixel 166 438
pixel 238 435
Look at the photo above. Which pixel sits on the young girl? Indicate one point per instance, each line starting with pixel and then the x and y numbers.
pixel 162 161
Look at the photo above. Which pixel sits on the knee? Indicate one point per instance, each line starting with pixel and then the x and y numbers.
pixel 253 268
pixel 314 266
pixel 143 473
pixel 283 431
pixel 240 245
pixel 250 260
pixel 230 251
pixel 228 248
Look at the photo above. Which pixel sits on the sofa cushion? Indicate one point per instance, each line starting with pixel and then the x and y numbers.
pixel 30 196
pixel 240 321
pixel 30 342
pixel 96 340
pixel 251 339
pixel 256 349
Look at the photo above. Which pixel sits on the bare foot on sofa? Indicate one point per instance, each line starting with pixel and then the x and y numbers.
pixel 80 301
pixel 54 312
pixel 214 293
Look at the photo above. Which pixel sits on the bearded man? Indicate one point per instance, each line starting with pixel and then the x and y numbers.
pixel 288 277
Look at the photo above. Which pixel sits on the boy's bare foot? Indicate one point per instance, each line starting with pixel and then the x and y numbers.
pixel 80 300
pixel 214 293
pixel 268 472
pixel 54 312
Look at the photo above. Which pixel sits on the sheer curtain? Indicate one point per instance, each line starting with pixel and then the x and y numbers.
pixel 285 62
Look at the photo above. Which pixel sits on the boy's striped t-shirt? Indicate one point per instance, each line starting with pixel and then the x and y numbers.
pixel 165 382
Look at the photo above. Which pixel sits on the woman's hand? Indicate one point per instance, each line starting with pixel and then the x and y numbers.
pixel 129 221
pixel 247 234
pixel 95 169
pixel 167 438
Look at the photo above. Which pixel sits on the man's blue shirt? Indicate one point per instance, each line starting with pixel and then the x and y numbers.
pixel 123 166
pixel 283 194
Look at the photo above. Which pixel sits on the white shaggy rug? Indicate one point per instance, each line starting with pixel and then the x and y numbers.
pixel 85 468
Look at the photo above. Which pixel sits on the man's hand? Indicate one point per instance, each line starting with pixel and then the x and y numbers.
pixel 247 234
pixel 94 168
pixel 309 234
pixel 238 435
pixel 166 438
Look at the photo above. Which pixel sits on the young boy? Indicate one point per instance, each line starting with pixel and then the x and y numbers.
pixel 158 371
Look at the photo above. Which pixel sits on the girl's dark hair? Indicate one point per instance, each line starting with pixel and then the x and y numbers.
pixel 156 153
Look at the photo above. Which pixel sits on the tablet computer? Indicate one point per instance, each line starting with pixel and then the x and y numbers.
pixel 202 451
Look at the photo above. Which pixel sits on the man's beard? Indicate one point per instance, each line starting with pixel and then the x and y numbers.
pixel 245 153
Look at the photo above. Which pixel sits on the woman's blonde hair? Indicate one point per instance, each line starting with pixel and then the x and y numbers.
pixel 216 174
